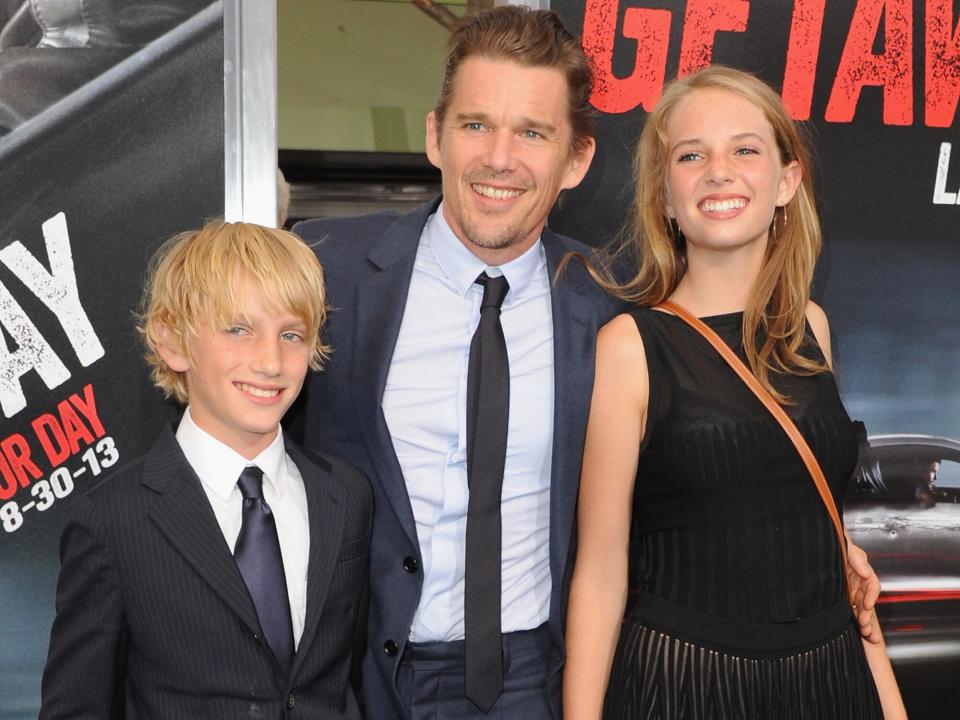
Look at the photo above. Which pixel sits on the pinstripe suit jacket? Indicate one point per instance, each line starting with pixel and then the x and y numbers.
pixel 153 617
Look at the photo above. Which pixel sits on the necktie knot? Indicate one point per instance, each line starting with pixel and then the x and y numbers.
pixel 251 483
pixel 494 290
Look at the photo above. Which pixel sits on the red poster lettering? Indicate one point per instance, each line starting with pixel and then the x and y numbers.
pixel 73 427
pixel 8 481
pixel 651 30
pixel 942 64
pixel 87 406
pixel 54 443
pixel 893 69
pixel 803 50
pixel 18 461
pixel 703 20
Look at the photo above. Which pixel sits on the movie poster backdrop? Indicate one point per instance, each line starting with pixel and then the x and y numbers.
pixel 97 168
pixel 878 82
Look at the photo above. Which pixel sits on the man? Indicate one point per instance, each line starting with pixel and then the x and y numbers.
pixel 513 129
pixel 398 398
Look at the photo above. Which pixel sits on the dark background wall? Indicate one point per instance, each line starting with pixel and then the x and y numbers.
pixel 88 189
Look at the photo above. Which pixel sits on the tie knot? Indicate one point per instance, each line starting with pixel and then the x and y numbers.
pixel 251 483
pixel 494 290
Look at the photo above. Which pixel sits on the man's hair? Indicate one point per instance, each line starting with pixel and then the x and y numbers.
pixel 531 38
pixel 195 277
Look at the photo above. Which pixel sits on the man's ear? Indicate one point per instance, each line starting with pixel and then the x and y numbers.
pixel 168 348
pixel 433 139
pixel 578 164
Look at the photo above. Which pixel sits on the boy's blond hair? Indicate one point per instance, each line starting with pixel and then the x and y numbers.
pixel 195 277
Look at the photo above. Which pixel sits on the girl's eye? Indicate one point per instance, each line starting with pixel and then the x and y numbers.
pixel 235 330
pixel 747 151
pixel 687 157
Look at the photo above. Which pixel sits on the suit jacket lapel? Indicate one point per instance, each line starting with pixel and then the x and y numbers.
pixel 574 331
pixel 326 521
pixel 381 301
pixel 184 516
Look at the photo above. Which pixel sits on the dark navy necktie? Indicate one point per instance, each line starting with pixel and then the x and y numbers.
pixel 488 404
pixel 257 553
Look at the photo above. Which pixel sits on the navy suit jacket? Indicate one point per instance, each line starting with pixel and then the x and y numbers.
pixel 154 619
pixel 368 263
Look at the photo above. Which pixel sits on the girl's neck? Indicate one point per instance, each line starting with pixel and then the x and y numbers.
pixel 717 284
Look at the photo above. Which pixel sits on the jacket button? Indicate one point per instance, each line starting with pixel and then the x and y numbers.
pixel 291 701
pixel 411 564
pixel 390 648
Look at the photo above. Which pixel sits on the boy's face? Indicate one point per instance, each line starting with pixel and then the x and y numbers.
pixel 242 377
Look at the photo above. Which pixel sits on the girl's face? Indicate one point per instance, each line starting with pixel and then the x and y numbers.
pixel 724 176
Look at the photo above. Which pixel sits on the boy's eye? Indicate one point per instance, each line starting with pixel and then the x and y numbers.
pixel 292 336
pixel 746 150
pixel 236 330
pixel 532 134
pixel 474 126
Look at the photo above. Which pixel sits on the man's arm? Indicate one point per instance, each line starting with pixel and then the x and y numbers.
pixel 87 643
pixel 864 591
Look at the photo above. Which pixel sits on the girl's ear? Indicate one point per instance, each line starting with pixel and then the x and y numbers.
pixel 789 182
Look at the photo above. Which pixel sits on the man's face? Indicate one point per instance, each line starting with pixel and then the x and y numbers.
pixel 504 151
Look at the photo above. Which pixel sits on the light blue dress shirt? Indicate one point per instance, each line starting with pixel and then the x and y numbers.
pixel 424 403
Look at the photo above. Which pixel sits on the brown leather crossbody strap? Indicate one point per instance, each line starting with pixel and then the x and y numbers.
pixel 806 454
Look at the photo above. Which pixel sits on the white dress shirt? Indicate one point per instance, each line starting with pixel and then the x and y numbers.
pixel 219 466
pixel 424 403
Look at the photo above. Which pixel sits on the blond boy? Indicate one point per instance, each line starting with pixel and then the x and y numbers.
pixel 224 574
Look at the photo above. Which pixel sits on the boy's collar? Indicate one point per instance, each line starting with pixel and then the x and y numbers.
pixel 219 466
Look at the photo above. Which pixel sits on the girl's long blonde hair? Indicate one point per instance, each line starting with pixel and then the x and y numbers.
pixel 779 297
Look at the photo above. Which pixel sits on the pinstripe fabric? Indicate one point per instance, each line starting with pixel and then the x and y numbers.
pixel 154 620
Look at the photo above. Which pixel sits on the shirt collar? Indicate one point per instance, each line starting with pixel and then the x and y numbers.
pixel 462 267
pixel 219 466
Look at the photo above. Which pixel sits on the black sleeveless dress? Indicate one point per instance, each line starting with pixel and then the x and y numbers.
pixel 737 604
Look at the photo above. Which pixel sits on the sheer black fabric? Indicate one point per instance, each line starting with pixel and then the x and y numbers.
pixel 737 604
pixel 658 677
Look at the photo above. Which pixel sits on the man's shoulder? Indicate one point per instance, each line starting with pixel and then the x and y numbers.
pixel 320 229
pixel 575 260
pixel 568 243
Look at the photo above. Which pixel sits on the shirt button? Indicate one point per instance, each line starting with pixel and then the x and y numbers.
pixel 291 701
pixel 390 648
pixel 411 564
